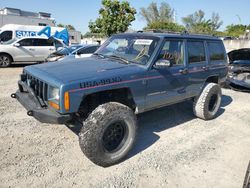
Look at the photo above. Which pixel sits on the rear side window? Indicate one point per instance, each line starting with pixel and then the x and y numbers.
pixel 43 42
pixel 196 52
pixel 216 51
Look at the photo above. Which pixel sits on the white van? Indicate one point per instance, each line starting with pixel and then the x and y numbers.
pixel 14 31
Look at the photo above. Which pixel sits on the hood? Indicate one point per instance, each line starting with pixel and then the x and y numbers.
pixel 83 68
pixel 241 54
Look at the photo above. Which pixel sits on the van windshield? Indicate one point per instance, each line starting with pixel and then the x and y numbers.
pixel 6 36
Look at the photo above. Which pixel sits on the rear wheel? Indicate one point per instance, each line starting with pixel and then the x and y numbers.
pixel 207 104
pixel 108 133
pixel 5 60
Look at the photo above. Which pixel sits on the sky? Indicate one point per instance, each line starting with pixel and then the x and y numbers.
pixel 79 12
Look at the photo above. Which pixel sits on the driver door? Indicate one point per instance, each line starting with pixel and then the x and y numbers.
pixel 166 84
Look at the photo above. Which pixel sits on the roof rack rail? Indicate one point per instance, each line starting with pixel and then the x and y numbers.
pixel 185 32
pixel 163 31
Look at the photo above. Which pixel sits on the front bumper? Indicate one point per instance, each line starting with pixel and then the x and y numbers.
pixel 42 114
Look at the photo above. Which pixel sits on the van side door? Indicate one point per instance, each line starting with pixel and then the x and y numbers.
pixel 43 48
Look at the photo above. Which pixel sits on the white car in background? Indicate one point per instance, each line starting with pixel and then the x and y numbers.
pixel 84 51
pixel 27 50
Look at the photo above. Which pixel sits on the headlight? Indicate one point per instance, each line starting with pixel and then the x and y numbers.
pixel 53 94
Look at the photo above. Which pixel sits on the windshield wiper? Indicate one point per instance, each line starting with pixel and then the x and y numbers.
pixel 100 55
pixel 119 58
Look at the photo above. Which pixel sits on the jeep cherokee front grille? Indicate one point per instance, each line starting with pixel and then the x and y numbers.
pixel 39 87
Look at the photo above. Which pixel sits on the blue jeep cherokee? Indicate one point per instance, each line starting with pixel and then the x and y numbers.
pixel 129 74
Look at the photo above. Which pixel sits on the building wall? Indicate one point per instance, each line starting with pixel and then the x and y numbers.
pixel 236 44
pixel 21 20
pixel 74 37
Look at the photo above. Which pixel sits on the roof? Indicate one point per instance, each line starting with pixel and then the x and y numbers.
pixel 173 35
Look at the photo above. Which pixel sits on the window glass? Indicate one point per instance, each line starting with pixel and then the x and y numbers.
pixel 216 51
pixel 6 35
pixel 42 24
pixel 90 50
pixel 26 42
pixel 172 51
pixel 196 52
pixel 43 42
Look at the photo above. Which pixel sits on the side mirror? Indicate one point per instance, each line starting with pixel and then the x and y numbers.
pixel 17 44
pixel 162 64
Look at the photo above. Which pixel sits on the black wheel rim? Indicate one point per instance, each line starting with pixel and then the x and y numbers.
pixel 114 136
pixel 212 102
pixel 4 61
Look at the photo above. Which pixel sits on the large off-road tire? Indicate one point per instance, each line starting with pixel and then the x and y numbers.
pixel 108 133
pixel 207 104
pixel 5 60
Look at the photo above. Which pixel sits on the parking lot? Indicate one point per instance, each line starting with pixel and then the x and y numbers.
pixel 173 148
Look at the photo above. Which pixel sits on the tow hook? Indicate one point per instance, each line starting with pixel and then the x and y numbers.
pixel 13 95
pixel 30 113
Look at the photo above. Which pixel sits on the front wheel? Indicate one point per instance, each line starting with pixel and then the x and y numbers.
pixel 5 60
pixel 207 104
pixel 108 133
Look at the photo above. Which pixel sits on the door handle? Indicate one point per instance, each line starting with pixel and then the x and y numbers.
pixel 31 49
pixel 183 71
pixel 51 49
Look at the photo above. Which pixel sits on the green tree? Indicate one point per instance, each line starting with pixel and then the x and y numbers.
pixel 196 23
pixel 168 26
pixel 153 13
pixel 114 17
pixel 236 30
pixel 60 25
pixel 69 26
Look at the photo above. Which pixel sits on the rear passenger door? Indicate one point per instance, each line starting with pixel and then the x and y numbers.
pixel 198 69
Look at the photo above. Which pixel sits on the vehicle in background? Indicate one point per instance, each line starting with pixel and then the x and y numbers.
pixel 62 52
pixel 27 50
pixel 84 51
pixel 239 69
pixel 14 31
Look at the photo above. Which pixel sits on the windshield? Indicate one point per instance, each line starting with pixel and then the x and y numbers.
pixel 133 49
pixel 9 41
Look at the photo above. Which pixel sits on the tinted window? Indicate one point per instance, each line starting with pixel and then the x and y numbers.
pixel 26 42
pixel 43 42
pixel 5 36
pixel 216 51
pixel 196 52
pixel 172 51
